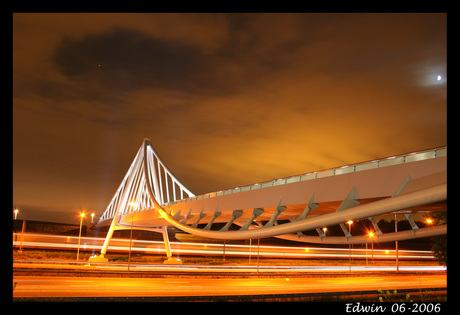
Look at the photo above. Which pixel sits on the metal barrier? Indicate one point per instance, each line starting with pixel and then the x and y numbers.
pixel 388 161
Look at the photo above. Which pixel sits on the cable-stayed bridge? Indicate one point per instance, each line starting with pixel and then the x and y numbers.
pixel 150 197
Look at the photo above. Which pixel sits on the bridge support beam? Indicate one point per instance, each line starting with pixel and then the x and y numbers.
pixel 388 205
pixel 235 215
pixel 361 239
pixel 170 260
pixel 277 212
pixel 255 213
pixel 101 257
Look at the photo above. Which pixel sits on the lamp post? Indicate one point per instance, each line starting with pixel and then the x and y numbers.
pixel 82 215
pixel 22 235
pixel 250 243
pixel 16 211
pixel 367 263
pixel 396 244
pixel 371 234
pixel 258 251
pixel 350 222
pixel 133 205
pixel 92 217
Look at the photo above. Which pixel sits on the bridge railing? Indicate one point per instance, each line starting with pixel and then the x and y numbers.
pixel 388 161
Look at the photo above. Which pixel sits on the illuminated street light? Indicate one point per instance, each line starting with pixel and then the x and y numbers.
pixel 429 221
pixel 16 211
pixel 371 234
pixel 82 215
pixel 349 222
pixel 92 217
pixel 324 230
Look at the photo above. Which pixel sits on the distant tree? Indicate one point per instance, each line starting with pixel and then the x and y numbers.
pixel 439 243
pixel 439 248
pixel 386 226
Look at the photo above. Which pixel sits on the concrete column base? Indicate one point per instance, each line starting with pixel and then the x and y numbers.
pixel 98 259
pixel 173 261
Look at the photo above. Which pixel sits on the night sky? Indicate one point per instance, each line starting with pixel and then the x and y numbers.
pixel 226 99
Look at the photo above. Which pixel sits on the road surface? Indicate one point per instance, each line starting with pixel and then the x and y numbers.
pixel 42 286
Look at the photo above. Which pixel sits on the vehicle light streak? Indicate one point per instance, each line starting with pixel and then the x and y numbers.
pixel 234 268
pixel 33 240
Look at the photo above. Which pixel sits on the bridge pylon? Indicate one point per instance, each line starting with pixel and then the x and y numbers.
pixel 133 195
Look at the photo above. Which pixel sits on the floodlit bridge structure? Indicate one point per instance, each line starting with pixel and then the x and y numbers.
pixel 151 198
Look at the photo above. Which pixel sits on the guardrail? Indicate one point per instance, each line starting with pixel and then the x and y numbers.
pixel 388 161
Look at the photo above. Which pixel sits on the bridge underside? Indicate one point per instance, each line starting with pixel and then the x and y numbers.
pixel 286 208
pixel 150 218
pixel 328 194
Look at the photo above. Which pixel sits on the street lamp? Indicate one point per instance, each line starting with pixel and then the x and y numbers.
pixel 324 230
pixel 371 234
pixel 82 215
pixel 133 205
pixel 349 222
pixel 16 211
pixel 92 217
pixel 396 244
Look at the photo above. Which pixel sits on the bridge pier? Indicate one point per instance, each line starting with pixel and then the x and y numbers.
pixel 164 230
pixel 170 260
pixel 98 259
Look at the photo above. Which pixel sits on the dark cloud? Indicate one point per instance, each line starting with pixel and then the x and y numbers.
pixel 127 60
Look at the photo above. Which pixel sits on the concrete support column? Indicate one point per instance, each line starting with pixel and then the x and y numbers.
pixel 170 260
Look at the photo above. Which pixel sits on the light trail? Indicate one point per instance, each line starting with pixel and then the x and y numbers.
pixel 48 241
pixel 57 286
pixel 291 269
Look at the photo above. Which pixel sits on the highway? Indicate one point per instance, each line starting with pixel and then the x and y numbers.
pixel 212 280
pixel 94 244
pixel 128 287
pixel 222 269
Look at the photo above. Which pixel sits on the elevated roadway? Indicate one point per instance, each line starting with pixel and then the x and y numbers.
pixel 371 181
pixel 151 198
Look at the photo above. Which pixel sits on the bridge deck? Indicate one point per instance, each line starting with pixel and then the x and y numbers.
pixel 329 191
